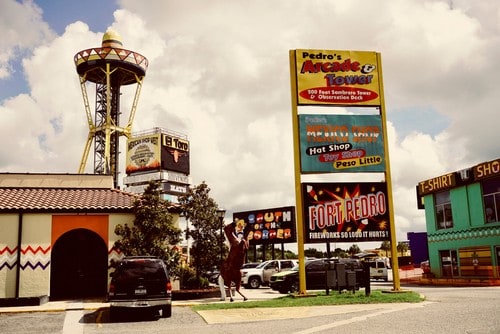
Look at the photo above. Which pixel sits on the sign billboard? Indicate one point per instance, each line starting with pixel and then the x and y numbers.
pixel 337 77
pixel 143 154
pixel 436 184
pixel 175 188
pixel 341 143
pixel 174 154
pixel 486 169
pixel 346 212
pixel 268 226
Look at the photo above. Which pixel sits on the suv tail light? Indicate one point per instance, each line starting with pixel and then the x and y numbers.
pixel 168 287
pixel 111 289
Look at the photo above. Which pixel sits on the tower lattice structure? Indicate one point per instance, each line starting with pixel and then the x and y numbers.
pixel 109 67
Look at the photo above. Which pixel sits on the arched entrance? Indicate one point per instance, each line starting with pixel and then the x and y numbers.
pixel 79 266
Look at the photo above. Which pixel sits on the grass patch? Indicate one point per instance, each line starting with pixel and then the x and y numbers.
pixel 334 298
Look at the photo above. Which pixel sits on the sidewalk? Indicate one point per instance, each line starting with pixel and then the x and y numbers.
pixel 75 305
pixel 56 306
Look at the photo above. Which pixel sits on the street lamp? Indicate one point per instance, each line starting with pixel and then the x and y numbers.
pixel 221 213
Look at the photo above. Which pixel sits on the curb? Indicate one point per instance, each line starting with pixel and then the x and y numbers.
pixel 63 306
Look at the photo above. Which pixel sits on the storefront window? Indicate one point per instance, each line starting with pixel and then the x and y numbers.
pixel 444 217
pixel 476 261
pixel 491 200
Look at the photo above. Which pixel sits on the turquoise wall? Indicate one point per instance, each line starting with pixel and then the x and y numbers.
pixel 469 228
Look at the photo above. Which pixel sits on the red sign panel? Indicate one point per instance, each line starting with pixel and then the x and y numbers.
pixel 345 212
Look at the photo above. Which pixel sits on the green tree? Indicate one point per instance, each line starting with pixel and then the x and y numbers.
pixel 201 210
pixel 278 254
pixel 402 247
pixel 154 232
pixel 386 247
pixel 313 252
pixel 290 255
pixel 340 253
pixel 354 249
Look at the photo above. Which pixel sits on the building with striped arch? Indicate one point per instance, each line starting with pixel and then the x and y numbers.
pixel 57 234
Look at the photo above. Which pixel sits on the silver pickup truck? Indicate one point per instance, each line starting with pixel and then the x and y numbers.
pixel 253 278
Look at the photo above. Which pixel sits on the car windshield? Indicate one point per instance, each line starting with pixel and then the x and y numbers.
pixel 261 265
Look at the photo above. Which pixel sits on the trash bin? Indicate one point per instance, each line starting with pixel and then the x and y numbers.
pixel 351 280
pixel 341 279
pixel 331 278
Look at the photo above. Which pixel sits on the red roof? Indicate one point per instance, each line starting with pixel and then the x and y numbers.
pixel 65 200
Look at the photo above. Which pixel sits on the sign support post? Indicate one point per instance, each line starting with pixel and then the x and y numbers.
pixel 298 189
pixel 392 229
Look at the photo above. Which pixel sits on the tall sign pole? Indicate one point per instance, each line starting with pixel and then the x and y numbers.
pixel 388 180
pixel 298 191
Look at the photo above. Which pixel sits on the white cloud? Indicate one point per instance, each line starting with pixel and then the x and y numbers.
pixel 17 22
pixel 219 73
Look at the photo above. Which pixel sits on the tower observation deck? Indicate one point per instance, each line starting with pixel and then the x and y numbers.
pixel 108 67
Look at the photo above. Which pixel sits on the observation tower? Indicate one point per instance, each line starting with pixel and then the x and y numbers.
pixel 108 67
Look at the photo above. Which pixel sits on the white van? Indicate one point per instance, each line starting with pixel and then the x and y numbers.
pixel 378 269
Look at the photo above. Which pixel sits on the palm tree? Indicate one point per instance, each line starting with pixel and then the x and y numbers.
pixel 385 246
pixel 402 247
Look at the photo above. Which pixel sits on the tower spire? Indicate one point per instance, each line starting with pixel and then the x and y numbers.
pixel 108 67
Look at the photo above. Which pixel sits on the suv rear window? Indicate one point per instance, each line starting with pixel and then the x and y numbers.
pixel 146 269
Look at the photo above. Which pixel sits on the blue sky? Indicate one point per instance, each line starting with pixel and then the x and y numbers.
pixel 425 119
pixel 98 14
pixel 58 14
pixel 219 73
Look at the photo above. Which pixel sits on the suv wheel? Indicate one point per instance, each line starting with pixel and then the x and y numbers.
pixel 284 290
pixel 166 311
pixel 254 282
pixel 294 287
pixel 113 313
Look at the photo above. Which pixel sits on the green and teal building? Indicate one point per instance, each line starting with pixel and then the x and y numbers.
pixel 462 213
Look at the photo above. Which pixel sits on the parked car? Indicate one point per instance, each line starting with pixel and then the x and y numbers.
pixel 140 282
pixel 288 281
pixel 425 266
pixel 249 265
pixel 378 269
pixel 253 278
pixel 211 275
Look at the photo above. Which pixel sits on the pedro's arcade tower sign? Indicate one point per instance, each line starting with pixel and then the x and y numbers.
pixel 328 141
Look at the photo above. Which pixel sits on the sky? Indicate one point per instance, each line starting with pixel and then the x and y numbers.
pixel 219 73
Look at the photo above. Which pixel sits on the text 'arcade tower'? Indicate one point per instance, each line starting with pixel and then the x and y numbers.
pixel 109 67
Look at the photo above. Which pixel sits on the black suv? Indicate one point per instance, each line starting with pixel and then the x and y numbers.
pixel 140 282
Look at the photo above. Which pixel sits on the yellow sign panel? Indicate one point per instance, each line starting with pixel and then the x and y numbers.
pixel 436 184
pixel 337 77
pixel 486 169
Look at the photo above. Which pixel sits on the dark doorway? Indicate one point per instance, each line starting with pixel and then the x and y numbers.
pixel 449 263
pixel 497 252
pixel 79 266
